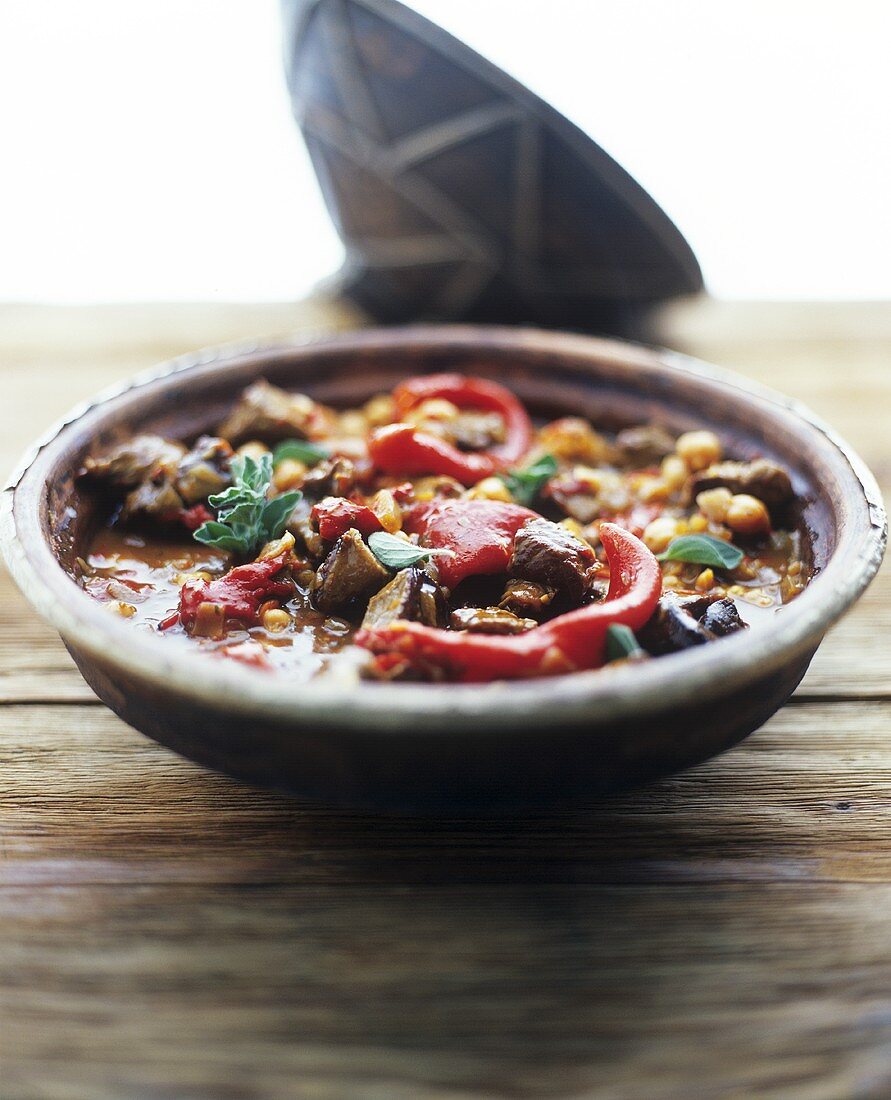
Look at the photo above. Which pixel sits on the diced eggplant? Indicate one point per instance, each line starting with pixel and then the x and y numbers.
pixel 527 599
pixel 490 620
pixel 645 445
pixel 671 628
pixel 204 470
pixel 156 500
pixel 350 572
pixel 722 618
pixel 268 413
pixel 140 458
pixel 333 477
pixel 474 431
pixel 549 554
pixel 411 594
pixel 762 478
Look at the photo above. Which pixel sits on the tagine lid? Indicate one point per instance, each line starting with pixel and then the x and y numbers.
pixel 459 193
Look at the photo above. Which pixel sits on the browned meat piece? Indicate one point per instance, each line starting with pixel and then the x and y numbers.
pixel 490 620
pixel 333 477
pixel 686 622
pixel 265 412
pixel 156 500
pixel 411 594
pixel 349 572
pixel 527 599
pixel 762 478
pixel 204 470
pixel 139 458
pixel 549 554
pixel 645 445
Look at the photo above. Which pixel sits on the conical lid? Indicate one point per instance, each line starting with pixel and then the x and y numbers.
pixel 458 193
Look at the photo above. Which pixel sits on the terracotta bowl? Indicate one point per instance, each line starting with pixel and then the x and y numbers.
pixel 448 747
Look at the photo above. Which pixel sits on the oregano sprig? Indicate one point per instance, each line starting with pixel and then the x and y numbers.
pixel 246 518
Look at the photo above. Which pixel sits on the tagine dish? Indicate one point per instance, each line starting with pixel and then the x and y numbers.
pixel 438 533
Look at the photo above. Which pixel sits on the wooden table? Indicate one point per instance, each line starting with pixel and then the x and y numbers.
pixel 167 933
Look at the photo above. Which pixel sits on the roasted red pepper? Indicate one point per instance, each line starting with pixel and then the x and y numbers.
pixel 335 515
pixel 478 534
pixel 192 518
pixel 239 592
pixel 403 449
pixel 571 642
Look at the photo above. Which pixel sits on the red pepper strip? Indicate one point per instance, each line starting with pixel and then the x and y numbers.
pixel 406 451
pixel 193 517
pixel 478 533
pixel 473 393
pixel 402 449
pixel 335 515
pixel 240 592
pixel 571 642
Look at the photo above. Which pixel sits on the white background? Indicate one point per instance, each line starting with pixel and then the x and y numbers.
pixel 148 151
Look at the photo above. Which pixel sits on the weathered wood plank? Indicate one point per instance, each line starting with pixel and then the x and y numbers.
pixel 517 991
pixel 84 799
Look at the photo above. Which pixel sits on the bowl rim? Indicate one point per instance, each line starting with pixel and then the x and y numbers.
pixel 595 697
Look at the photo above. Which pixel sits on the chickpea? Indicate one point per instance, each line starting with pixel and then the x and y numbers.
pixel 275 549
pixel 652 489
pixel 125 610
pixel 698 523
pixel 352 423
pixel 705 580
pixel 713 503
pixel 380 410
pixel 659 533
pixel 747 515
pixel 276 620
pixel 254 448
pixel 674 472
pixel 699 449
pixel 289 474
pixel 490 488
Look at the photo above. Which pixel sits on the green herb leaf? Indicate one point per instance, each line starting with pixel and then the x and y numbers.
pixel 245 518
pixel 276 514
pixel 525 485
pixel 396 554
pixel 219 535
pixel 703 550
pixel 621 642
pixel 308 453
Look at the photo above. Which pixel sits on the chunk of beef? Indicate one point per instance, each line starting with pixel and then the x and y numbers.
pixel 333 477
pixel 645 445
pixel 549 554
pixel 268 413
pixel 527 599
pixel 349 572
pixel 411 594
pixel 490 620
pixel 762 478
pixel 204 470
pixel 142 457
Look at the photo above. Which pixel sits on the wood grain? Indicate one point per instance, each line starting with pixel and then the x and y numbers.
pixel 165 932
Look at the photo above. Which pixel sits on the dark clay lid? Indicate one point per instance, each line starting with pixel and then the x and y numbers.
pixel 460 194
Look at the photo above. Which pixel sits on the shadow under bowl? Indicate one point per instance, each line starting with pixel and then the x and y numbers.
pixel 451 748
